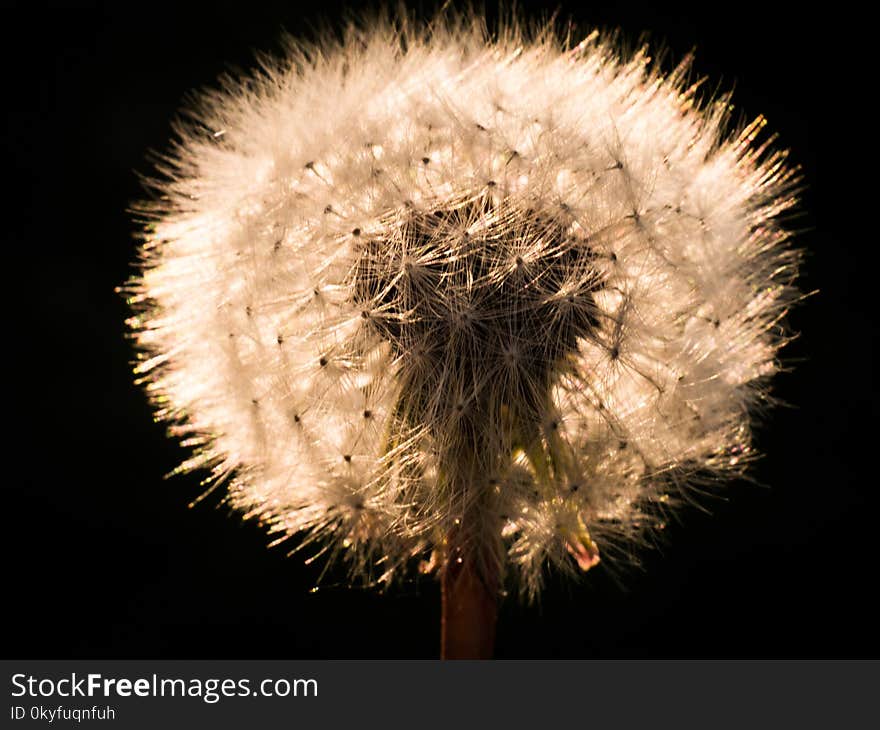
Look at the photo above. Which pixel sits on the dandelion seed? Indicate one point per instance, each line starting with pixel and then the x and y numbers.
pixel 553 305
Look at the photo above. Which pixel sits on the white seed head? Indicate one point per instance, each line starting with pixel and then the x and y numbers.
pixel 417 284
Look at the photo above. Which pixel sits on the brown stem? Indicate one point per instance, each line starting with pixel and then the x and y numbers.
pixel 470 610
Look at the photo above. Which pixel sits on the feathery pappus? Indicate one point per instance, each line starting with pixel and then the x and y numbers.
pixel 437 294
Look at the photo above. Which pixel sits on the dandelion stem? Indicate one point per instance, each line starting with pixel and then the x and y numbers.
pixel 470 610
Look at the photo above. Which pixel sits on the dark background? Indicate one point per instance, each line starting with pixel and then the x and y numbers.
pixel 103 557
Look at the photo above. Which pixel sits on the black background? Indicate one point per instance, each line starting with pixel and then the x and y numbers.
pixel 103 557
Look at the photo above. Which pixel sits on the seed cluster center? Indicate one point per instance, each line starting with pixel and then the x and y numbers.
pixel 479 302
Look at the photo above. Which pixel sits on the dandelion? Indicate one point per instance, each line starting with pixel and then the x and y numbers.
pixel 478 303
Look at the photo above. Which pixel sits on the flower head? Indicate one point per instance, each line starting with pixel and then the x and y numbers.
pixel 433 290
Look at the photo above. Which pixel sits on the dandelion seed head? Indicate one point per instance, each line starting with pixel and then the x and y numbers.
pixel 422 283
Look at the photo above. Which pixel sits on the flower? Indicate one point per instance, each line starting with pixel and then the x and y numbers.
pixel 431 293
